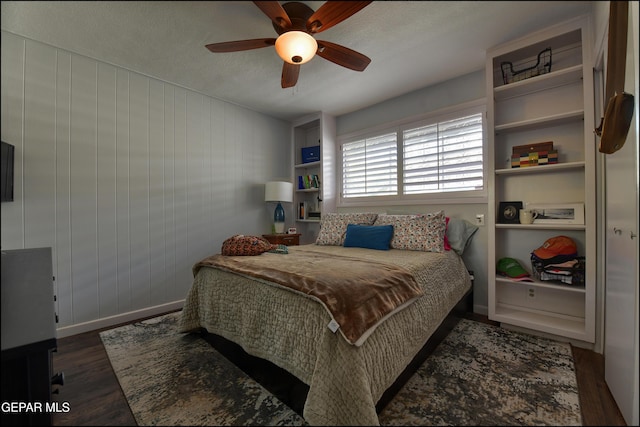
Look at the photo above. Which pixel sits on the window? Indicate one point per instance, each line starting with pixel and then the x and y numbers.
pixel 438 156
pixel 445 156
pixel 370 167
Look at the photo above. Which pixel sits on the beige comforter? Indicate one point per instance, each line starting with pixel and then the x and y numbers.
pixel 357 301
pixel 291 329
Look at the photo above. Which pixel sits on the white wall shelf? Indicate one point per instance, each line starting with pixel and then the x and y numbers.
pixel 540 169
pixel 542 82
pixel 552 120
pixel 556 106
pixel 571 327
pixel 559 227
pixel 316 129
pixel 541 284
pixel 308 165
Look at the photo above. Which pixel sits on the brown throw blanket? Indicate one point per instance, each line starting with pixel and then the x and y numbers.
pixel 358 294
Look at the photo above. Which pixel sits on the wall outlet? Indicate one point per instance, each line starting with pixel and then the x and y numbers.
pixel 531 293
pixel 480 220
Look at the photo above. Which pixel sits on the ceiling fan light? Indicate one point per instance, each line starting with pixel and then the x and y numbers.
pixel 296 47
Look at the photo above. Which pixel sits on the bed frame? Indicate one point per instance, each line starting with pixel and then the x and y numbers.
pixel 293 392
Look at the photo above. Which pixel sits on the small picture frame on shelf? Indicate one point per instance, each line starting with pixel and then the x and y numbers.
pixel 508 212
pixel 292 230
pixel 558 213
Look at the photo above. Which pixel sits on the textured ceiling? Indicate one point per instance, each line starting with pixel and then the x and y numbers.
pixel 412 44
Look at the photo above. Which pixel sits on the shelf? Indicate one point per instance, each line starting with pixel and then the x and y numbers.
pixel 542 284
pixel 557 106
pixel 313 130
pixel 553 120
pixel 308 165
pixel 538 83
pixel 542 226
pixel 568 326
pixel 541 169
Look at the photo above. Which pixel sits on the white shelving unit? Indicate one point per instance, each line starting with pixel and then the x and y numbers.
pixel 556 106
pixel 317 129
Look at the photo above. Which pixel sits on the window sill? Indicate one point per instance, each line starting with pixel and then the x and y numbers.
pixel 426 199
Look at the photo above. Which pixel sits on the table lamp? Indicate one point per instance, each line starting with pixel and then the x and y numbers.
pixel 278 191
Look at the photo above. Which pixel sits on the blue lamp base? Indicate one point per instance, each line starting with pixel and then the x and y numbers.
pixel 278 219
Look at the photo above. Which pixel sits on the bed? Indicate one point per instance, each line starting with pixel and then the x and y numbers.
pixel 347 369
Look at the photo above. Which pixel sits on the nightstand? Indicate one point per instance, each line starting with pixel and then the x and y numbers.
pixel 283 239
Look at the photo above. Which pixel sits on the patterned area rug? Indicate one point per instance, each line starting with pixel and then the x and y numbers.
pixel 173 379
pixel 485 375
pixel 479 375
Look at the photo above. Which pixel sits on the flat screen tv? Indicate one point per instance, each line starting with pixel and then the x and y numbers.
pixel 6 175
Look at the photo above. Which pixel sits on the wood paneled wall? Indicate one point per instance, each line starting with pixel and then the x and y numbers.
pixel 129 179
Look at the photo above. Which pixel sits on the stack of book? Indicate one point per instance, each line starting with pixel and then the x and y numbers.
pixel 305 212
pixel 308 181
pixel 538 154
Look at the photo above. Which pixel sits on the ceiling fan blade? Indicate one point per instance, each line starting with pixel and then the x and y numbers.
pixel 275 12
pixel 290 74
pixel 239 45
pixel 342 56
pixel 332 13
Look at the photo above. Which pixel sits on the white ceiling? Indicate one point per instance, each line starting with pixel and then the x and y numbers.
pixel 412 44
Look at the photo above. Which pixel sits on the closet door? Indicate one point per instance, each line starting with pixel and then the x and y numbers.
pixel 621 310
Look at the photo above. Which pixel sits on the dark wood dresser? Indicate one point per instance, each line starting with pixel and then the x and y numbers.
pixel 28 337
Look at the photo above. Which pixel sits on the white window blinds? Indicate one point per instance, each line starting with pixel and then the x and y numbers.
pixel 370 166
pixel 445 156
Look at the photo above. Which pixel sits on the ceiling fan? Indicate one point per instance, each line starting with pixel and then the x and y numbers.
pixel 295 23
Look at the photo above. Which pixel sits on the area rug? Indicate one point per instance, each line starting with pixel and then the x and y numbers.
pixel 174 379
pixel 486 375
pixel 478 375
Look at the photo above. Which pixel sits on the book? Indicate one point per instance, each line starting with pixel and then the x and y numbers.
pixel 302 210
pixel 314 215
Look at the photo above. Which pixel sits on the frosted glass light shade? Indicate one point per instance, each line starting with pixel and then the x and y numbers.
pixel 296 47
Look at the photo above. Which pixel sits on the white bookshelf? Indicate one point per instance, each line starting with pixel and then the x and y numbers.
pixel 556 106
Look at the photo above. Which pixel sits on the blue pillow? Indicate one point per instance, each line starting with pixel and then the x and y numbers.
pixel 369 236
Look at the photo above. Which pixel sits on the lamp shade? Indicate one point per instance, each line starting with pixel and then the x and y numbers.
pixel 296 47
pixel 278 191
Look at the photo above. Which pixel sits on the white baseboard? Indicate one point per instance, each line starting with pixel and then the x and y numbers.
pixel 481 309
pixel 105 322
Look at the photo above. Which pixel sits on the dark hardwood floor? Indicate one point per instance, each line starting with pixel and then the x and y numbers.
pixel 95 398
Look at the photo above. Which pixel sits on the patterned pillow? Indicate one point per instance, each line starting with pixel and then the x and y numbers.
pixel 245 245
pixel 420 232
pixel 333 226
